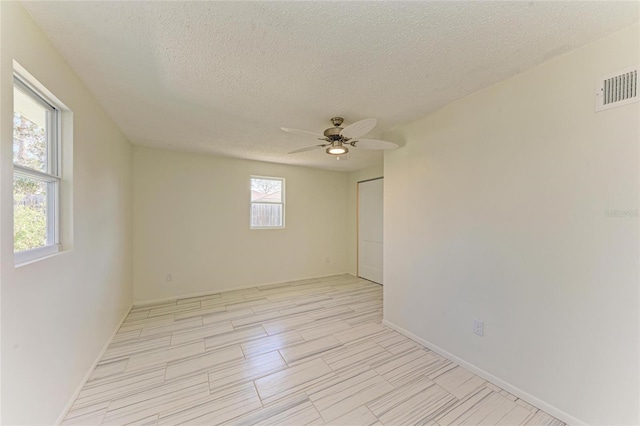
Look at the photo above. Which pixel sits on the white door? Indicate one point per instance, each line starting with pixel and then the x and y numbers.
pixel 370 215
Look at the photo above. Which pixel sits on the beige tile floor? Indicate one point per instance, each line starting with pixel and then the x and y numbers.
pixel 297 353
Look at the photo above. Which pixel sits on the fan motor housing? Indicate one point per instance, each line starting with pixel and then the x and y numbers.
pixel 333 133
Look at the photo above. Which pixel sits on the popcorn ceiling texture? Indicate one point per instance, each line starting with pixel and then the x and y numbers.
pixel 223 77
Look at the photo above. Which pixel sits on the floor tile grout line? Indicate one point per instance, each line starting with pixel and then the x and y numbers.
pixel 369 410
pixel 244 355
pixel 257 393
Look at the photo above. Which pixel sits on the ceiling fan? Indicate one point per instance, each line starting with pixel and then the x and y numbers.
pixel 339 139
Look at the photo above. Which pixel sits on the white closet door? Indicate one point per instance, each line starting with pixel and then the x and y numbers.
pixel 370 223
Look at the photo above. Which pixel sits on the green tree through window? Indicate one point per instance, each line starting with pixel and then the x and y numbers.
pixel 29 195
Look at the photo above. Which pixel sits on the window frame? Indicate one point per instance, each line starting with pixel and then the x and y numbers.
pixel 282 201
pixel 52 177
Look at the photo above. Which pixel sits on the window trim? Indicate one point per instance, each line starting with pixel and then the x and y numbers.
pixel 52 177
pixel 282 203
pixel 25 257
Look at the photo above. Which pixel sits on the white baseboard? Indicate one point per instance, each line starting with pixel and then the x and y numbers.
pixel 550 409
pixel 213 291
pixel 67 407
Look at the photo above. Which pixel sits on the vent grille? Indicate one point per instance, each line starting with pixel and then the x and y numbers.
pixel 617 89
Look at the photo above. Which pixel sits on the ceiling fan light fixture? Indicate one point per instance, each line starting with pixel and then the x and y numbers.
pixel 336 139
pixel 337 149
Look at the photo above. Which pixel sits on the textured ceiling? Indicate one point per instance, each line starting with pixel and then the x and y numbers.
pixel 223 77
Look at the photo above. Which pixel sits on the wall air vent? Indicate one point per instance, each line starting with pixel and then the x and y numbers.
pixel 617 89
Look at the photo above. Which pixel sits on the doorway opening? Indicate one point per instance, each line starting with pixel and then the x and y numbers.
pixel 370 229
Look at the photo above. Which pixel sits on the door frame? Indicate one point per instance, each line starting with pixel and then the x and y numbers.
pixel 358 221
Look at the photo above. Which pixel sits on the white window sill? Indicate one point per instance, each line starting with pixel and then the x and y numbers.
pixel 27 257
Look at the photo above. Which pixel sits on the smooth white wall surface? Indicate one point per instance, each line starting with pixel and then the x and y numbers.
pixel 191 220
pixel 352 212
pixel 496 209
pixel 58 313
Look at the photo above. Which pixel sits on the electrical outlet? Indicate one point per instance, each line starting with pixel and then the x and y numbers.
pixel 169 277
pixel 478 327
pixel 327 260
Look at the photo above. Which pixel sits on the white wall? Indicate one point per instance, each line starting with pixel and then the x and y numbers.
pixel 58 313
pixel 191 219
pixel 495 210
pixel 352 212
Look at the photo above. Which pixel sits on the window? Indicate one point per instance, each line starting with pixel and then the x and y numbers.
pixel 267 202
pixel 36 177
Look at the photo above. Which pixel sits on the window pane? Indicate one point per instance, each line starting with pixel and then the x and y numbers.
pixel 29 214
pixel 266 190
pixel 30 125
pixel 266 215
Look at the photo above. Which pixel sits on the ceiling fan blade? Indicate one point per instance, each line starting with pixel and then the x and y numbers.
pixel 302 132
pixel 309 148
pixel 374 144
pixel 359 128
